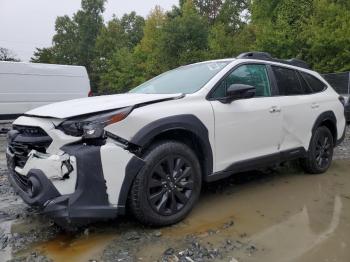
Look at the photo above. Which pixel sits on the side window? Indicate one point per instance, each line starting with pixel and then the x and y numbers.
pixel 288 82
pixel 305 86
pixel 254 75
pixel 315 84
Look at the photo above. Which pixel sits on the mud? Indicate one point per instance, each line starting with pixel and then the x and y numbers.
pixel 279 215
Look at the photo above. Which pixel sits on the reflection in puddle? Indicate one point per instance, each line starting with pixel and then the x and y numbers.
pixel 292 238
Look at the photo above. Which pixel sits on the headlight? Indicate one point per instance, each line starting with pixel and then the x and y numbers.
pixel 91 127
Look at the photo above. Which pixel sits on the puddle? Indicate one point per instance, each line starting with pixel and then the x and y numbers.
pixel 68 248
pixel 288 217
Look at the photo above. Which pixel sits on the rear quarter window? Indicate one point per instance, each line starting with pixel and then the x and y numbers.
pixel 315 84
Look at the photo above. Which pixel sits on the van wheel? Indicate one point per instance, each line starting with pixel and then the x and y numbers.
pixel 168 186
pixel 320 154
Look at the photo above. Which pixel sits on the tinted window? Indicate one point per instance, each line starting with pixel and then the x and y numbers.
pixel 287 81
pixel 304 85
pixel 254 75
pixel 315 84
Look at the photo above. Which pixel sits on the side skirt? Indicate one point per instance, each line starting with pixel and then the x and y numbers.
pixel 257 163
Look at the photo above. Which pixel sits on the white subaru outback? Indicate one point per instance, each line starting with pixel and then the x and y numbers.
pixel 151 149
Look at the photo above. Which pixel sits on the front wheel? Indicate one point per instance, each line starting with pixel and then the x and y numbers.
pixel 167 187
pixel 320 154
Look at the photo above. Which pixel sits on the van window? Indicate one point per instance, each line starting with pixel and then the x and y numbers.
pixel 315 84
pixel 254 75
pixel 287 81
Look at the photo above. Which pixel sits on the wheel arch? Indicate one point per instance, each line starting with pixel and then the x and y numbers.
pixel 187 129
pixel 328 120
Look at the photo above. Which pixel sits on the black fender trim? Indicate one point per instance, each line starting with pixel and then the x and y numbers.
pixel 179 122
pixel 91 186
pixel 327 116
pixel 89 202
pixel 258 163
pixel 340 140
pixel 131 170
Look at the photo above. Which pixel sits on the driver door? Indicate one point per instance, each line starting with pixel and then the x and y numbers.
pixel 246 129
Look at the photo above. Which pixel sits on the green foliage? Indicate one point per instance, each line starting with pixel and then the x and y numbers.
pixel 223 44
pixel 126 51
pixel 279 32
pixel 184 39
pixel 327 37
pixel 121 75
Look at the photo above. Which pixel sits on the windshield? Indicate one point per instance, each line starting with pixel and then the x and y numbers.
pixel 185 79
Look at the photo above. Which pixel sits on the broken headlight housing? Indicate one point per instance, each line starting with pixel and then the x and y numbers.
pixel 92 126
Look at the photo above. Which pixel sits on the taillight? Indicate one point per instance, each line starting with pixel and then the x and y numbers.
pixel 90 93
pixel 342 100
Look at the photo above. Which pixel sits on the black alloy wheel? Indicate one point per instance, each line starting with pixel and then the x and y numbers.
pixel 323 151
pixel 170 185
pixel 319 156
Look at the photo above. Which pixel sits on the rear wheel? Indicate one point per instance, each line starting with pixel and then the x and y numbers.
pixel 320 154
pixel 168 186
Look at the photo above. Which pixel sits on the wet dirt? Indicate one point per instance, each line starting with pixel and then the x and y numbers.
pixel 280 215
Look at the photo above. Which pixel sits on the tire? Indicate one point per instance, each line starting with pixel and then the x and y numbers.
pixel 320 154
pixel 158 199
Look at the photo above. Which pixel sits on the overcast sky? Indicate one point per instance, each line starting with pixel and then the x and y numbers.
pixel 26 24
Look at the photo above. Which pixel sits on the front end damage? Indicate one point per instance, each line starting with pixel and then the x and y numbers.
pixel 71 181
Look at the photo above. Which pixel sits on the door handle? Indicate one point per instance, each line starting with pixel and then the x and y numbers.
pixel 315 105
pixel 275 109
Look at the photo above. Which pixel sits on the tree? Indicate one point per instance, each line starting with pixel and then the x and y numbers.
pixel 184 39
pixel 74 41
pixel 118 34
pixel 147 52
pixel 44 55
pixel 7 55
pixel 279 25
pixel 326 37
pixel 121 73
pixel 209 9
pixel 223 44
pixel 133 28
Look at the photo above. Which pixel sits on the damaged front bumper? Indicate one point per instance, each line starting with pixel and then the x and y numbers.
pixel 40 181
pixel 79 184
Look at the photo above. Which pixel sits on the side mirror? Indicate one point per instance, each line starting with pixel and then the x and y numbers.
pixel 238 91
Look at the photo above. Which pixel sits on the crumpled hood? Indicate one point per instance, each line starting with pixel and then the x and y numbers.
pixel 96 104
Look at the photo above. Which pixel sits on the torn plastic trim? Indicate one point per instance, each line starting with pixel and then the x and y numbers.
pixel 125 144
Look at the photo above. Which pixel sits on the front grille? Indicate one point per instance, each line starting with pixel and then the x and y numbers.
pixel 30 131
pixel 24 139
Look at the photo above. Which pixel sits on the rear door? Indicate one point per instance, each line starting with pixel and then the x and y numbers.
pixel 299 108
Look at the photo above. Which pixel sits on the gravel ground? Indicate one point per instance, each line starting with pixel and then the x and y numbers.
pixel 27 236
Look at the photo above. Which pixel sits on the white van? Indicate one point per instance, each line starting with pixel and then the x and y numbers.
pixel 24 86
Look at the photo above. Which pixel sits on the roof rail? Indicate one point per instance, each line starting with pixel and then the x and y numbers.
pixel 267 57
pixel 255 55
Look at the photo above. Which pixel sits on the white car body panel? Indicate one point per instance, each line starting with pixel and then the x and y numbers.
pixel 114 160
pixel 143 116
pixel 95 104
pixel 245 129
pixel 25 86
pixel 242 130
